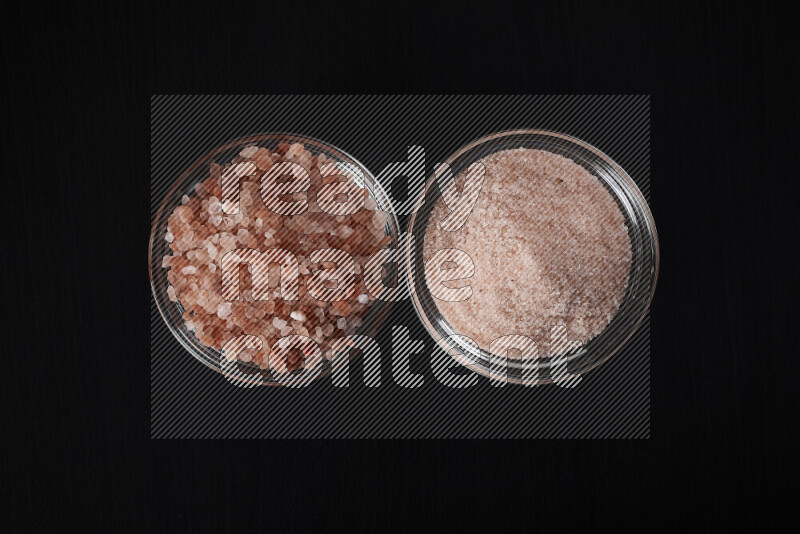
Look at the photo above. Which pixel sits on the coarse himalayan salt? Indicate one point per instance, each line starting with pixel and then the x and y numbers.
pixel 200 233
pixel 550 248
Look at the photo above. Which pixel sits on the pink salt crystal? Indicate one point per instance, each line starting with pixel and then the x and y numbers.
pixel 304 160
pixel 243 169
pixel 201 255
pixel 278 323
pixel 184 213
pixel 227 242
pixel 214 206
pixel 224 309
pixel 379 219
pixel 189 270
pixel 263 159
pixel 210 305
pixel 341 322
pixel 227 224
pixel 363 298
pixel 298 316
pixel 171 294
pixel 249 152
pixel 295 150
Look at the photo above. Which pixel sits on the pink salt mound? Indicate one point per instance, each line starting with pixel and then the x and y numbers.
pixel 550 248
pixel 200 233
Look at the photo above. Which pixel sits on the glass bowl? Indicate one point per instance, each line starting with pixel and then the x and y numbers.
pixel 641 279
pixel 248 373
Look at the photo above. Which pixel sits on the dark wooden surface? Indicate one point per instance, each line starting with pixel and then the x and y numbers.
pixel 76 386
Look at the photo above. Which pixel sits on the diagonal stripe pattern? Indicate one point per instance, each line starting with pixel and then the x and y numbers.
pixel 429 397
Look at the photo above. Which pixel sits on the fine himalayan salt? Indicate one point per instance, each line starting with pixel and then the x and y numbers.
pixel 200 233
pixel 550 249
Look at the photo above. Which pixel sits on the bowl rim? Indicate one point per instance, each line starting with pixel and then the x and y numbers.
pixel 205 159
pixel 619 172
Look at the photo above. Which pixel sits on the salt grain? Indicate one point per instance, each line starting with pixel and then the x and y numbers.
pixel 249 152
pixel 224 309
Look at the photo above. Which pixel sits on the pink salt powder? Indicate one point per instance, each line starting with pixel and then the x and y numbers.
pixel 550 248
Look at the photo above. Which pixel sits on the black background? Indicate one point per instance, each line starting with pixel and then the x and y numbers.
pixel 75 132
